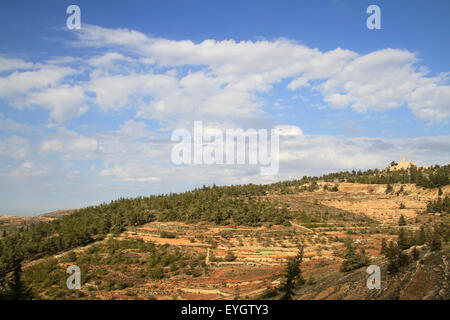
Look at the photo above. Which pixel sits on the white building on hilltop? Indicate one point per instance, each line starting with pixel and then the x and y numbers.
pixel 404 165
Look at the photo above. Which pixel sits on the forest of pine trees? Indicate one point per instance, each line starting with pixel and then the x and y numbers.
pixel 222 205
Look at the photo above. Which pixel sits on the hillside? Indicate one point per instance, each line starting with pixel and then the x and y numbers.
pixel 228 242
pixel 11 224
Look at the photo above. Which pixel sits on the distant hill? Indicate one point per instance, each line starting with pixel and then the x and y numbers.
pixel 11 224
pixel 58 213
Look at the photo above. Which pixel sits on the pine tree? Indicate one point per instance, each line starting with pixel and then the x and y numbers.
pixel 396 258
pixel 354 260
pixel 389 188
pixel 415 254
pixel 402 221
pixel 403 240
pixel 421 238
pixel 3 285
pixel 293 276
pixel 17 289
pixel 435 243
pixel 237 293
pixel 291 273
pixel 383 246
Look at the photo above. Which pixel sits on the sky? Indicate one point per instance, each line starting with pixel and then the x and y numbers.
pixel 86 115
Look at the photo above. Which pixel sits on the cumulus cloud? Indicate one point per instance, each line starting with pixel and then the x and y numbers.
pixel 380 80
pixel 63 101
pixel 19 83
pixel 170 79
pixel 43 87
pixel 388 79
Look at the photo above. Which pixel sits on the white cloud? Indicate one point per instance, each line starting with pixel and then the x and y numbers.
pixel 15 147
pixel 52 146
pixel 64 101
pixel 379 80
pixel 83 144
pixel 431 102
pixel 71 145
pixel 108 59
pixel 29 170
pixel 127 174
pixel 19 83
pixel 7 64
pixel 312 153
pixel 43 88
pixel 217 80
pixel 288 130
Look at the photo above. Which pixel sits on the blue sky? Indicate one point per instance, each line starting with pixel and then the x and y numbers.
pixel 86 115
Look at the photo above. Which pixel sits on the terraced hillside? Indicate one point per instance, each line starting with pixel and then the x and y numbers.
pixel 233 242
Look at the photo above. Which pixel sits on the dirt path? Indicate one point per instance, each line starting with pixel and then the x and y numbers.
pixel 302 227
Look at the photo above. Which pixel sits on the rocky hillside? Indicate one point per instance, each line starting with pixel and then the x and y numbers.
pixel 233 242
pixel 428 279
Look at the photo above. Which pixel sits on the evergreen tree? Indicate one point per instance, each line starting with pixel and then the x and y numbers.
pixel 435 243
pixel 354 260
pixel 3 285
pixel 421 237
pixel 293 276
pixel 403 240
pixel 383 246
pixel 402 221
pixel 389 188
pixel 396 258
pixel 19 291
pixel 237 294
pixel 15 289
pixel 415 254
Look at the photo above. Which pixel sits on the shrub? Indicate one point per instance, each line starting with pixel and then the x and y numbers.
pixel 168 235
pixel 269 293
pixel 389 188
pixel 354 260
pixel 230 256
pixel 156 273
